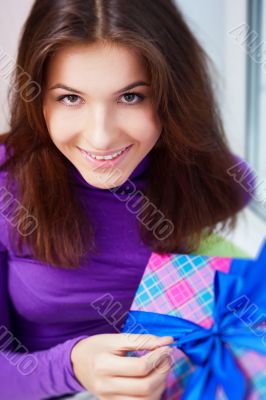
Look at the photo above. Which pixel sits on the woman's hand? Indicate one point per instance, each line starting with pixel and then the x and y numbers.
pixel 100 365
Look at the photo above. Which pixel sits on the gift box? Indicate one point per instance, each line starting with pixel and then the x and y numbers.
pixel 215 308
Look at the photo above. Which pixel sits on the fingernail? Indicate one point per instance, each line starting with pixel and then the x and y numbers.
pixel 166 350
pixel 164 338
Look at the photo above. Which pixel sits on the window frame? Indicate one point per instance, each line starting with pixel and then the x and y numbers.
pixel 254 70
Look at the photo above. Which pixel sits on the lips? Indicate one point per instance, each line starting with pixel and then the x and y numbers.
pixel 109 153
pixel 111 156
pixel 105 163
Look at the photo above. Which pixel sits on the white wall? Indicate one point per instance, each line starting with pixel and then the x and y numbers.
pixel 12 16
pixel 210 20
pixel 206 18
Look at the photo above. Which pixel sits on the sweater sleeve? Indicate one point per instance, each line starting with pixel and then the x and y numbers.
pixel 36 375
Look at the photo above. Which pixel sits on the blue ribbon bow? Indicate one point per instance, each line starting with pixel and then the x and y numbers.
pixel 239 316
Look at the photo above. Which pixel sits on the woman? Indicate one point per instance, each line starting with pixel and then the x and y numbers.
pixel 125 82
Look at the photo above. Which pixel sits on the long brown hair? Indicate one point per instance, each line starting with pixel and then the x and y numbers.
pixel 188 181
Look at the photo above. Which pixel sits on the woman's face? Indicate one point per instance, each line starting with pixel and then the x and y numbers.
pixel 97 114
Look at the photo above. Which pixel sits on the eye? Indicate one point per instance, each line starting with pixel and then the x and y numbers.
pixel 71 100
pixel 133 95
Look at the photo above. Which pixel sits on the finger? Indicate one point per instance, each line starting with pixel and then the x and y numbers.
pixel 132 366
pixel 153 358
pixel 131 342
pixel 157 394
pixel 141 386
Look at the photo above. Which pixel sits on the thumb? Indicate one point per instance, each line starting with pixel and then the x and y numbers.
pixel 132 342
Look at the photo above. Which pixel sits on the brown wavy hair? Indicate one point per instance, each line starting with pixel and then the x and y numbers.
pixel 188 181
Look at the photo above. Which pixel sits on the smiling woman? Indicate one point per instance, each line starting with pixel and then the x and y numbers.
pixel 105 87
pixel 121 154
pixel 114 123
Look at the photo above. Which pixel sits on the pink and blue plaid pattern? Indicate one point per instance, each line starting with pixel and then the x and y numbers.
pixel 182 285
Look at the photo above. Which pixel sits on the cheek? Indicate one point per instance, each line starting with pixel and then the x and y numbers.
pixel 62 130
pixel 144 127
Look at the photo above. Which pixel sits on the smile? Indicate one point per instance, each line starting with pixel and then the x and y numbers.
pixel 106 161
pixel 110 156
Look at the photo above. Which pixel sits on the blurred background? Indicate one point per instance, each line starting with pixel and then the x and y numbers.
pixel 233 34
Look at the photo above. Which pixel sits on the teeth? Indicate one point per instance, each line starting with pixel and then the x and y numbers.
pixel 108 157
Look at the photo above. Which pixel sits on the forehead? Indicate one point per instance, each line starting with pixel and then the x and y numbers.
pixel 84 66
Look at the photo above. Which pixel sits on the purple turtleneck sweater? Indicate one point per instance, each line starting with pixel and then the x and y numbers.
pixel 45 311
pixel 48 309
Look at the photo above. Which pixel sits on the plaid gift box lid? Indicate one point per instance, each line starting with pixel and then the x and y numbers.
pixel 183 286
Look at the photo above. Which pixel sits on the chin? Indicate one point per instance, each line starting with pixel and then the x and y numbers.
pixel 102 182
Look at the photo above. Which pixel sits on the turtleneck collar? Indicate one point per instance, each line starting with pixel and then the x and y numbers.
pixel 138 176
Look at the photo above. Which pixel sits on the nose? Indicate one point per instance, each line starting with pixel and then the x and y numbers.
pixel 102 131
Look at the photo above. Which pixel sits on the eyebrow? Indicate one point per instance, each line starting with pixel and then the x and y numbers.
pixel 128 87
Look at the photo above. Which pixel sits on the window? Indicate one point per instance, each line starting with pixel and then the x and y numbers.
pixel 255 42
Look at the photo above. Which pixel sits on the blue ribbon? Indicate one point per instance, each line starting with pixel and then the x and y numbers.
pixel 237 295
